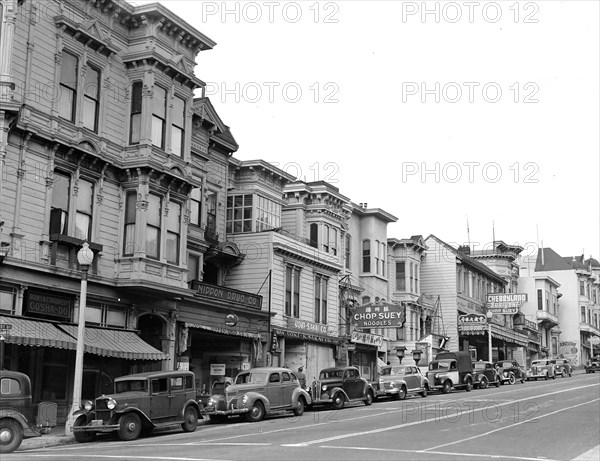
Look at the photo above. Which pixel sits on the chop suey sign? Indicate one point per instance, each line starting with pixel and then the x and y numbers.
pixel 379 315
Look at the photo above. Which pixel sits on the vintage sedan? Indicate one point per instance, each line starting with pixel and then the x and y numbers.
pixel 562 367
pixel 542 368
pixel 398 381
pixel 593 365
pixel 511 372
pixel 340 385
pixel 257 393
pixel 142 401
pixel 18 416
pixel 484 374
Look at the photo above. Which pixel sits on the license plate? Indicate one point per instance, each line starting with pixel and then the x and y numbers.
pixel 96 422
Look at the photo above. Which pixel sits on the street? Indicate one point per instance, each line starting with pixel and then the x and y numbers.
pixel 551 420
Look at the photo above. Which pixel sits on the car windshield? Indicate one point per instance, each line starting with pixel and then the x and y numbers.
pixel 326 374
pixel 138 385
pixel 479 366
pixel 539 362
pixel 439 366
pixel 251 378
pixel 506 364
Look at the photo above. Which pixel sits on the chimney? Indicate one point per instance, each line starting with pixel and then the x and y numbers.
pixel 464 249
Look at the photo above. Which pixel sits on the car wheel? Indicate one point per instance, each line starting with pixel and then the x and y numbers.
pixel 83 436
pixel 546 377
pixel 447 387
pixel 190 419
pixel 11 435
pixel 498 383
pixel 369 399
pixel 338 401
pixel 511 378
pixel 299 410
pixel 256 413
pixel 402 393
pixel 469 385
pixel 483 383
pixel 130 426
pixel 424 392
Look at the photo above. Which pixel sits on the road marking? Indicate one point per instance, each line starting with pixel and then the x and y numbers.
pixel 153 457
pixel 510 425
pixel 590 455
pixel 445 453
pixel 414 423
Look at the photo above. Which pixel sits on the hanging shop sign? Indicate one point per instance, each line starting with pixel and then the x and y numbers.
pixel 217 369
pixel 366 338
pixel 472 323
pixel 505 303
pixel 379 315
pixel 227 294
pixel 305 325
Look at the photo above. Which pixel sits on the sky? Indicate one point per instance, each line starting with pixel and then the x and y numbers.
pixel 467 120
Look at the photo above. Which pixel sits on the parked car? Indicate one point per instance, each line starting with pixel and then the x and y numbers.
pixel 340 385
pixel 398 381
pixel 451 370
pixel 542 368
pixel 562 367
pixel 257 393
pixel 484 374
pixel 511 372
pixel 142 401
pixel 593 365
pixel 17 419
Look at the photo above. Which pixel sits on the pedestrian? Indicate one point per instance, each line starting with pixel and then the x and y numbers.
pixel 301 377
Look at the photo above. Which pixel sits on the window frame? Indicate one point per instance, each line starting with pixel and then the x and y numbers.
pixel 321 283
pixel 292 280
pixel 155 117
pixel 69 87
pixel 155 227
pixel 55 197
pixel 94 100
pixel 135 111
pixel 129 219
pixel 366 256
pixel 175 126
pixel 79 211
pixel 173 233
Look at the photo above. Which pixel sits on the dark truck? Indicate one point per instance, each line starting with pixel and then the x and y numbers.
pixel 451 370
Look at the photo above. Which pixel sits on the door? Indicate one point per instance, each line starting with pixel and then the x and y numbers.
pixel 288 385
pixel 274 390
pixel 412 379
pixel 160 401
pixel 352 384
pixel 178 395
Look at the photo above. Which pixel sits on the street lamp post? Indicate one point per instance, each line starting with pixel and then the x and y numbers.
pixel 85 257
pixel 417 356
pixel 400 350
pixel 489 316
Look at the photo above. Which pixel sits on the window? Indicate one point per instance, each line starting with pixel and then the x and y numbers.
pixel 347 251
pixel 91 98
pixel 177 126
pixel 10 386
pixel 320 299
pixel 583 314
pixel 466 290
pixel 239 213
pixel 8 298
pixel 135 120
pixel 153 227
pixel 366 256
pixel 83 213
pixel 194 266
pixel 176 383
pixel 285 376
pixel 129 234
pixel 195 206
pixel 159 109
pixel 334 241
pixel 581 288
pixel 383 259
pixel 68 86
pixel 159 385
pixel 59 208
pixel 173 232
pixel 292 291
pixel 377 257
pixel 103 314
pixel 366 299
pixel 314 235
pixel 401 276
pixel 540 300
pixel 211 213
pixel 269 214
pixel 326 238
pixel 411 276
pixel 416 278
pixel 547 297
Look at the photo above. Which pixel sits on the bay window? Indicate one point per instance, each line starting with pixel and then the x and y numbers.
pixel 153 226
pixel 195 206
pixel 173 232
pixel 129 233
pixel 135 118
pixel 366 256
pixel 177 126
pixel 401 276
pixel 159 115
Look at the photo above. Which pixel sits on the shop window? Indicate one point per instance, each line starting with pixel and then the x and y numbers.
pixel 8 298
pixel 68 86
pixel 104 315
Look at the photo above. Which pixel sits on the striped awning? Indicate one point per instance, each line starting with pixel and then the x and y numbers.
pixel 27 332
pixel 122 344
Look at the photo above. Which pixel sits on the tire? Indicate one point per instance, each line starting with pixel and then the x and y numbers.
pixel 498 383
pixel 338 401
pixel 256 413
pixel 511 378
pixel 369 399
pixel 546 377
pixel 299 410
pixel 424 392
pixel 11 435
pixel 483 384
pixel 130 426
pixel 190 419
pixel 469 387
pixel 446 388
pixel 402 393
pixel 554 376
pixel 83 437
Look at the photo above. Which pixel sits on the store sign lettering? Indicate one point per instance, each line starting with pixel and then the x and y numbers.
pixel 505 303
pixel 366 338
pixel 52 305
pixel 307 326
pixel 383 315
pixel 227 294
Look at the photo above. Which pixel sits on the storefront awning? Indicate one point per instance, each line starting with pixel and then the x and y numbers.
pixel 122 344
pixel 509 336
pixel 27 332
pixel 224 331
pixel 312 337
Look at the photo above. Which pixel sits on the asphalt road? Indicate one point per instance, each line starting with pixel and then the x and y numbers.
pixel 544 420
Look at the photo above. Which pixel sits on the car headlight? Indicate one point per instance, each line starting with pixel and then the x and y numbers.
pixel 245 399
pixel 87 405
pixel 210 402
pixel 506 374
pixel 323 387
pixel 111 404
pixel 437 375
